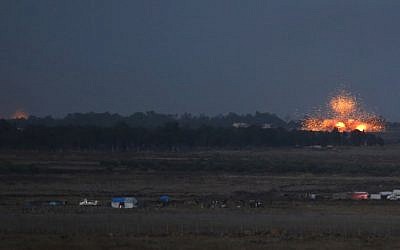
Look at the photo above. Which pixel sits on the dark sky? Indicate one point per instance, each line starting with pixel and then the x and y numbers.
pixel 210 57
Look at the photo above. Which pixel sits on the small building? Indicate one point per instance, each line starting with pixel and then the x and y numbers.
pixel 124 202
pixel 240 125
pixel 396 192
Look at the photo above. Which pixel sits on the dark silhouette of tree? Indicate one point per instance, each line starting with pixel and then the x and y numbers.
pixel 170 136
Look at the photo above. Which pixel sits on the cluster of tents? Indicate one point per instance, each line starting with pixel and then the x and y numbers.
pixel 116 202
pixel 132 202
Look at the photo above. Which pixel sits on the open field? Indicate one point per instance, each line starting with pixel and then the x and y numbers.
pixel 194 180
pixel 379 160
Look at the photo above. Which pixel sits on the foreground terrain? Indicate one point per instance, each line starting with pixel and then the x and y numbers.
pixel 197 183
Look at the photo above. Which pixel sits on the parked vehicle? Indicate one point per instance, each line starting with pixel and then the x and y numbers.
pixel 393 197
pixel 375 197
pixel 359 196
pixel 385 194
pixel 256 204
pixel 86 202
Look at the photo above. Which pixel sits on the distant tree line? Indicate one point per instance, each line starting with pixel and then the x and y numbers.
pixel 170 136
pixel 152 119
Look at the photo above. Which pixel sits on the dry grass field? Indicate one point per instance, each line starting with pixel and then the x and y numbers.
pixel 278 177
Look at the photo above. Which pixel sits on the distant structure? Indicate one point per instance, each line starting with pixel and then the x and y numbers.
pixel 51 203
pixel 246 125
pixel 266 126
pixel 240 125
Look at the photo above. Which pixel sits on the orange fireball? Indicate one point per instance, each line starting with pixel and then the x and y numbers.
pixel 343 105
pixel 345 116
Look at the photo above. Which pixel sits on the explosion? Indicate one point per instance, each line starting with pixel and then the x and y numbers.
pixel 343 105
pixel 20 114
pixel 345 115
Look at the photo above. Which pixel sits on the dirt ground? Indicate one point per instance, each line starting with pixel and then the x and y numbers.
pixel 287 219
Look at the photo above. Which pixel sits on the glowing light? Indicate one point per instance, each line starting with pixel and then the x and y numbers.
pixel 20 114
pixel 345 115
pixel 343 105
pixel 341 126
pixel 361 127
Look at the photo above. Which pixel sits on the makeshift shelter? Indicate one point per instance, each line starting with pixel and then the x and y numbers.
pixel 164 200
pixel 124 202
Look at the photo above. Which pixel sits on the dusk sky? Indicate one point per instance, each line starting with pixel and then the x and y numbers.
pixel 212 57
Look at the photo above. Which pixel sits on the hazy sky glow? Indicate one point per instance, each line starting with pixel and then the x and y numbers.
pixel 211 57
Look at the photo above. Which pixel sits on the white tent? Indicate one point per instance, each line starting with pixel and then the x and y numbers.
pixel 124 202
